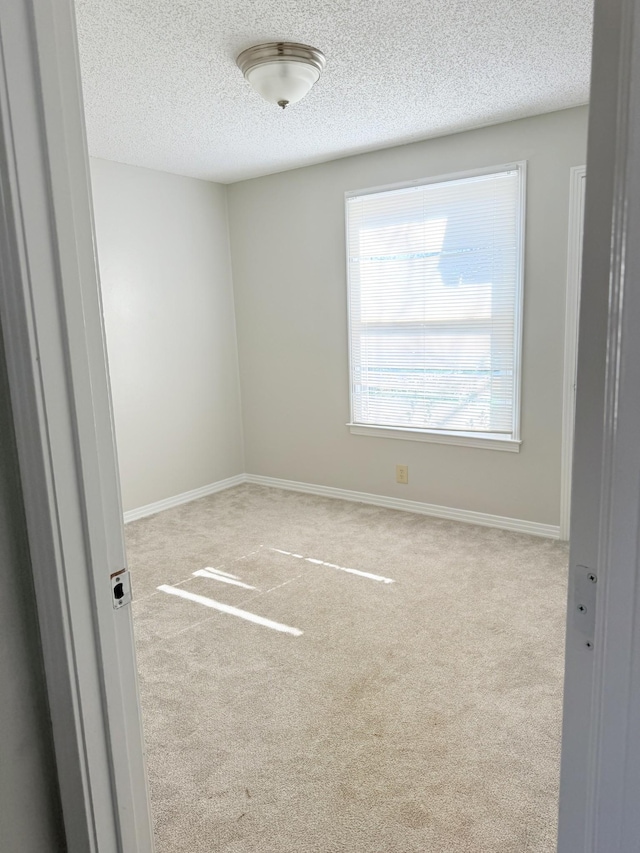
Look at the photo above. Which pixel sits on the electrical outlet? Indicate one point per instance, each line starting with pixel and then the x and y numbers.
pixel 402 474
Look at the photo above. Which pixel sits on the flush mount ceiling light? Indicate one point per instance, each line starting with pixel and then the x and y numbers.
pixel 282 72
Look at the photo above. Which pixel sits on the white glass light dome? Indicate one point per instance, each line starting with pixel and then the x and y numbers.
pixel 282 72
pixel 283 82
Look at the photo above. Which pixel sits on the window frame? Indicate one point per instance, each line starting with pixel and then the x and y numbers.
pixel 486 440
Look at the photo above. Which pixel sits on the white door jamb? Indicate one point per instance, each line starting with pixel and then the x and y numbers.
pixel 574 270
pixel 54 342
pixel 600 774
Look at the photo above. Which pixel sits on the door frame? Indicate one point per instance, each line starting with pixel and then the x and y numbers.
pixel 51 318
pixel 574 269
pixel 600 767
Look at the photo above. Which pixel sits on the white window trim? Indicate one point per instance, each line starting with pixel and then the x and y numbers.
pixel 479 440
pixel 490 441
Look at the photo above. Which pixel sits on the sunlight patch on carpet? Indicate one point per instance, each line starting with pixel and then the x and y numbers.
pixel 317 562
pixel 222 578
pixel 232 611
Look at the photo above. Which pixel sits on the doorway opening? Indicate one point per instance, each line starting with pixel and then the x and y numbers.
pixel 306 657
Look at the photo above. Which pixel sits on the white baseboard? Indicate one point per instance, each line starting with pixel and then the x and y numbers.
pixel 517 525
pixel 185 497
pixel 533 528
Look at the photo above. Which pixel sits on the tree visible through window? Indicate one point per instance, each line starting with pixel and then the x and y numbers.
pixel 434 275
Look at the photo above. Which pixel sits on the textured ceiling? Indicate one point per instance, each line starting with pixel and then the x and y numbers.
pixel 162 88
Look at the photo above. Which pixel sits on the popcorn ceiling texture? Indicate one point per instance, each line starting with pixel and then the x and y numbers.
pixel 162 89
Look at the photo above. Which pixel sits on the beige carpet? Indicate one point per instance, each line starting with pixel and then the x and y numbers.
pixel 418 715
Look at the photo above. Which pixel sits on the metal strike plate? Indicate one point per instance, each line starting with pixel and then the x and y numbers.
pixel 120 588
pixel 584 603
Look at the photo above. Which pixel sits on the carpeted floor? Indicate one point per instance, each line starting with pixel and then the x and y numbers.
pixel 418 716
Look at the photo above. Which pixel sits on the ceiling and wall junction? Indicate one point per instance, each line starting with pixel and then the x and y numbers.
pixel 162 88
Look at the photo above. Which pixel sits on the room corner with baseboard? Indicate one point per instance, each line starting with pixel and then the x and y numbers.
pixel 169 449
pixel 516 525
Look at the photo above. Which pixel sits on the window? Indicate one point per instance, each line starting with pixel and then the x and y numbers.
pixel 435 282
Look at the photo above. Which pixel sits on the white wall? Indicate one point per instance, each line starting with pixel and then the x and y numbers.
pixel 288 251
pixel 30 811
pixel 163 251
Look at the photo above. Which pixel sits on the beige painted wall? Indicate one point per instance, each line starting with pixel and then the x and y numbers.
pixel 288 251
pixel 163 251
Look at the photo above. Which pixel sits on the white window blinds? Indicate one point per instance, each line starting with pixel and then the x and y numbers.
pixel 434 292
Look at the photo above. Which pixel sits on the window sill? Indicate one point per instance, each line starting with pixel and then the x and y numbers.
pixel 463 439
